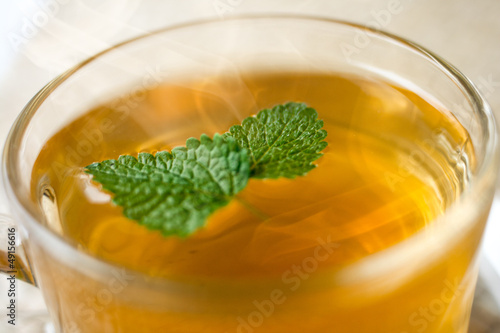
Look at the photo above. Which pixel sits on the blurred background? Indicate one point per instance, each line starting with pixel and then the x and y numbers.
pixel 40 39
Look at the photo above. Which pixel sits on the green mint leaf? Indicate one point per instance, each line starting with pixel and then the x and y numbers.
pixel 176 191
pixel 282 141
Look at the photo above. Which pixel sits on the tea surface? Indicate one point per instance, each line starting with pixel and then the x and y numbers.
pixel 381 178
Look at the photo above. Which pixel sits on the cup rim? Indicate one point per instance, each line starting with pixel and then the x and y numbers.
pixel 483 180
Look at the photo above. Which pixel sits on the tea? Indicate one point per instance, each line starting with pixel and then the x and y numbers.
pixel 384 176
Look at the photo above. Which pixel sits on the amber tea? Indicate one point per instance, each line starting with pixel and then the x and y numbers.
pixel 268 260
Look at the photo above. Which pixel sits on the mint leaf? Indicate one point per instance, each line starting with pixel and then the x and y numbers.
pixel 175 192
pixel 282 141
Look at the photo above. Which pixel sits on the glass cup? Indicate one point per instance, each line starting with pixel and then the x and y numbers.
pixel 423 284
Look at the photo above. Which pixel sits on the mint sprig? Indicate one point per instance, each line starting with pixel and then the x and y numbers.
pixel 175 192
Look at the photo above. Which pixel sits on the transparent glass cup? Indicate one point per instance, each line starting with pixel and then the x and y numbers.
pixel 86 294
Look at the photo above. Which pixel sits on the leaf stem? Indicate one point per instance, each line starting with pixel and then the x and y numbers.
pixel 252 209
